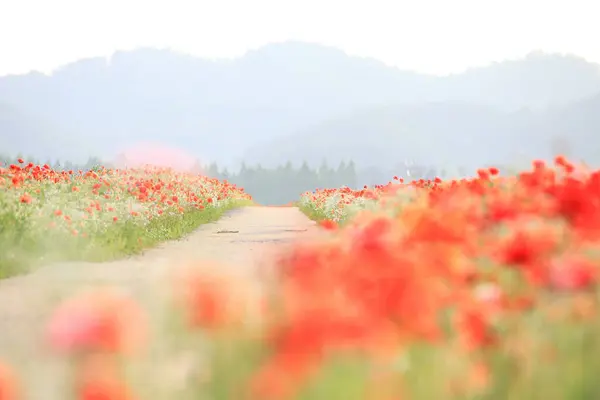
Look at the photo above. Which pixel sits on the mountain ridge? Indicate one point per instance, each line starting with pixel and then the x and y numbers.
pixel 220 109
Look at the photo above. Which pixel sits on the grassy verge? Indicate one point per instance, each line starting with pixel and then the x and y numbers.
pixel 23 248
pixel 312 212
pixel 341 216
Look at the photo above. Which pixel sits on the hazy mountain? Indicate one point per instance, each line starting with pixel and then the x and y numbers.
pixel 31 135
pixel 224 110
pixel 538 81
pixel 435 133
pixel 446 134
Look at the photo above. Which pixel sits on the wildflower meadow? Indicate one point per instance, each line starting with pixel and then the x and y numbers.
pixel 100 214
pixel 479 288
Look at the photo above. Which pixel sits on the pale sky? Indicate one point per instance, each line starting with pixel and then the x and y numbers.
pixel 431 36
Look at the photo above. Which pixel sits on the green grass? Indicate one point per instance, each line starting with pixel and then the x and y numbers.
pixel 311 212
pixel 318 215
pixel 23 247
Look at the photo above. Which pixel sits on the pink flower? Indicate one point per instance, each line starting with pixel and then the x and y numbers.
pixel 96 321
pixel 572 272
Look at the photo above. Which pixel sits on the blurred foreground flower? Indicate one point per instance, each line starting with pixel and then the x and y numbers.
pixel 215 298
pixel 101 320
pixel 98 379
pixel 329 224
pixel 8 384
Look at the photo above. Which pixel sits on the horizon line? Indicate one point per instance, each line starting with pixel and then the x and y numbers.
pixel 248 51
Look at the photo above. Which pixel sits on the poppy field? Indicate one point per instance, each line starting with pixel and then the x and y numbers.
pixel 340 204
pixel 481 288
pixel 95 215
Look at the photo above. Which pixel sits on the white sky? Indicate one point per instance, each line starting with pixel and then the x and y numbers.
pixel 435 36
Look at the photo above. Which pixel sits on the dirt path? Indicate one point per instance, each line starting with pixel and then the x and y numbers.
pixel 241 240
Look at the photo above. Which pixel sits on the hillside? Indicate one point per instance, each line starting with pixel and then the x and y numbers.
pixel 451 135
pixel 220 109
pixel 29 134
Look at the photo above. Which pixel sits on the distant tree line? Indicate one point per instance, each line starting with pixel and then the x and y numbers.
pixel 286 183
pixel 279 185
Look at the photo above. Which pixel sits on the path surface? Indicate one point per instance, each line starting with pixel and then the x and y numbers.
pixel 242 240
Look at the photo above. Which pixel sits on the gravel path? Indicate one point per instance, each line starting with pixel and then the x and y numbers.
pixel 241 241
